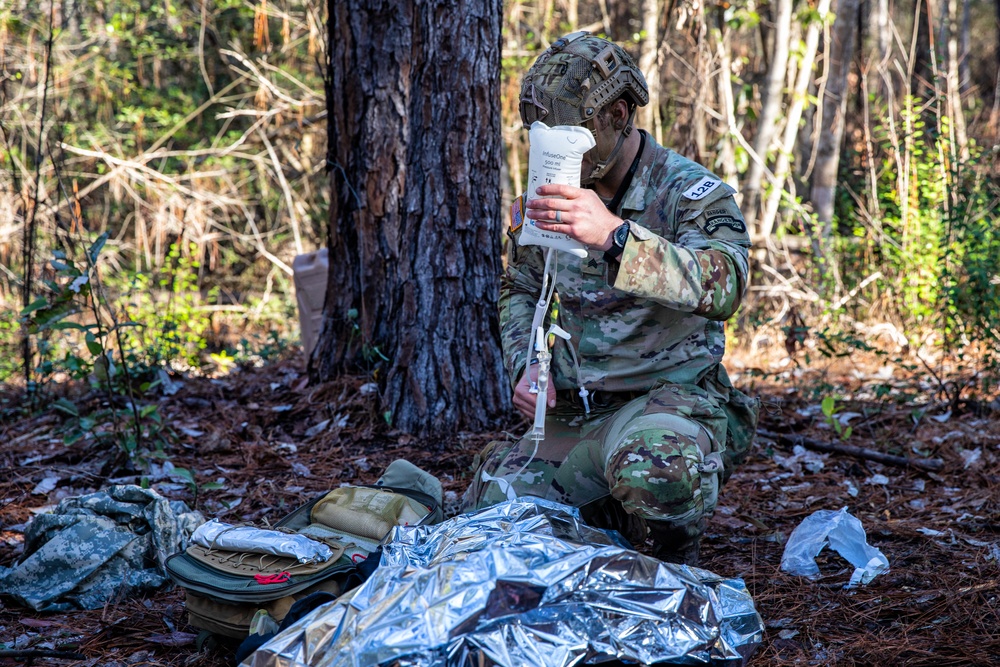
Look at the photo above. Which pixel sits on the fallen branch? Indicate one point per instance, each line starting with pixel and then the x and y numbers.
pixel 41 653
pixel 932 465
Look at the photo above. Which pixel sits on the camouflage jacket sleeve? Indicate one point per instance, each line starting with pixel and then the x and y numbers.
pixel 700 262
pixel 520 287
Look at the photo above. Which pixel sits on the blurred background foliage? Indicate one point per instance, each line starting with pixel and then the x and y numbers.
pixel 861 133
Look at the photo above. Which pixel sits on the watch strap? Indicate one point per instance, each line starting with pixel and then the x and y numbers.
pixel 619 238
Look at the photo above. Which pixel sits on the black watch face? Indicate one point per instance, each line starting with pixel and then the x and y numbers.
pixel 621 235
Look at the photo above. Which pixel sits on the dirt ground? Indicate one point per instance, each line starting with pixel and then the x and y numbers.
pixel 274 442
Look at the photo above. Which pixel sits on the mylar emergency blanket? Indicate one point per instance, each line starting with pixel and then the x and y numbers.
pixel 525 582
pixel 555 156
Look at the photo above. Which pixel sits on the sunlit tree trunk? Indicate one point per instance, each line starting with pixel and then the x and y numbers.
pixel 697 147
pixel 414 160
pixel 840 51
pixel 772 95
pixel 572 14
pixel 995 112
pixel 964 76
pixel 650 114
pixel 724 95
pixel 793 115
pixel 954 86
pixel 876 49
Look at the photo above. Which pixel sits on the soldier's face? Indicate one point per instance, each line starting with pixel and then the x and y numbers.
pixel 606 136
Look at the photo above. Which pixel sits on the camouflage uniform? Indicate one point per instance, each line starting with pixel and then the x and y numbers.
pixel 92 548
pixel 649 339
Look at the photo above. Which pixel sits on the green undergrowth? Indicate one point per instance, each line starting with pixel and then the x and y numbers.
pixel 103 355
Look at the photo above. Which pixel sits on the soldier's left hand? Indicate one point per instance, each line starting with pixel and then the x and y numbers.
pixel 576 212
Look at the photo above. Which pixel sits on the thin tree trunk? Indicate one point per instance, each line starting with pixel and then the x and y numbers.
pixel 995 112
pixel 414 155
pixel 771 99
pixel 954 87
pixel 724 92
pixel 923 66
pixel 964 77
pixel 572 14
pixel 621 18
pixel 697 146
pixel 840 51
pixel 648 65
pixel 879 28
pixel 877 47
pixel 792 117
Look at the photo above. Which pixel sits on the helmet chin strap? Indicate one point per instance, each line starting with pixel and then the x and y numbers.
pixel 602 167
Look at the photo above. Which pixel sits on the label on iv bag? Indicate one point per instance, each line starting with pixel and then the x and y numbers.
pixel 555 156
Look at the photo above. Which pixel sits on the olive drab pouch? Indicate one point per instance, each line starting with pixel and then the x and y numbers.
pixel 742 413
pixel 225 589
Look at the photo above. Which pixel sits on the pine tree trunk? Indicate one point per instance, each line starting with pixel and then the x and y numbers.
pixel 414 235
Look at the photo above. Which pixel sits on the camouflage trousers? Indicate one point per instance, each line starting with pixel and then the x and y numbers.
pixel 658 455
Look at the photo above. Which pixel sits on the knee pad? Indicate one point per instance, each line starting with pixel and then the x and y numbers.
pixel 664 475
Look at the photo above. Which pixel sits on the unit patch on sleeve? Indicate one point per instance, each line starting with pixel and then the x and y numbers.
pixel 517 214
pixel 701 189
pixel 717 218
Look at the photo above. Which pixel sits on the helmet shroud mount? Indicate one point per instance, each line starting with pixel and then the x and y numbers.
pixel 574 79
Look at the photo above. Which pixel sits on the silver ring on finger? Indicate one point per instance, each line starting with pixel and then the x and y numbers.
pixel 559 216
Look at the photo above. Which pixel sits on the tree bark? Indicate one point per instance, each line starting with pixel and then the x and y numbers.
pixel 772 96
pixel 414 234
pixel 824 181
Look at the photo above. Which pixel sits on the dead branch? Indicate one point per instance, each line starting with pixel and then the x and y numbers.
pixel 931 465
pixel 41 653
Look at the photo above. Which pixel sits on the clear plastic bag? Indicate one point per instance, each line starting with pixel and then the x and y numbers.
pixel 844 534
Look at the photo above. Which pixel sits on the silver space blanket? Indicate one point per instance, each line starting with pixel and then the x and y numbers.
pixel 525 582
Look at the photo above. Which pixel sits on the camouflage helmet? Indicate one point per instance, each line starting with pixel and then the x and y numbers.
pixel 576 77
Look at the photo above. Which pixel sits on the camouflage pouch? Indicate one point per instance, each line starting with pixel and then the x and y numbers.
pixel 234 620
pixel 235 562
pixel 742 413
pixel 365 512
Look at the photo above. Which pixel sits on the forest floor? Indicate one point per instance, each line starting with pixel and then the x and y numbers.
pixel 261 432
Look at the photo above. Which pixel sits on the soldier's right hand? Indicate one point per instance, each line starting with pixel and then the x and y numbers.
pixel 524 400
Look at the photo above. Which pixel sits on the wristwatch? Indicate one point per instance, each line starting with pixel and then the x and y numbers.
pixel 618 240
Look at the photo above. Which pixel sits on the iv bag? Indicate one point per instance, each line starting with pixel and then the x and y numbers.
pixel 555 156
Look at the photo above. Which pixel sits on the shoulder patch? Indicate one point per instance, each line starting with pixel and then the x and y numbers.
pixel 723 218
pixel 517 214
pixel 701 189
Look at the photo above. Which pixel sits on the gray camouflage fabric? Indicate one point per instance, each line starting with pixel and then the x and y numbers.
pixel 649 330
pixel 92 548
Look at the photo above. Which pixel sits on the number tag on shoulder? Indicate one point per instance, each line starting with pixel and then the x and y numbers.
pixel 702 188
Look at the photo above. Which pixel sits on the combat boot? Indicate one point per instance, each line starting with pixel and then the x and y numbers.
pixel 608 513
pixel 676 544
